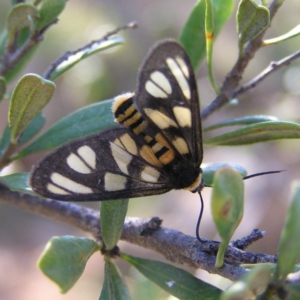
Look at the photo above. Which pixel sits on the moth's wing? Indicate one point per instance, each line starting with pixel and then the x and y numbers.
pixel 112 164
pixel 167 97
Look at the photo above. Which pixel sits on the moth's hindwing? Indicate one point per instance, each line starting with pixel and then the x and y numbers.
pixel 104 166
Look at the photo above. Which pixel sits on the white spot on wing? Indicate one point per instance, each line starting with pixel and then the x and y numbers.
pixel 88 155
pixel 129 144
pixel 179 75
pixel 161 120
pixel 183 66
pixel 121 157
pixel 183 116
pixel 76 164
pixel 150 174
pixel 69 184
pixel 154 90
pixel 162 81
pixel 159 86
pixel 56 190
pixel 180 144
pixel 114 182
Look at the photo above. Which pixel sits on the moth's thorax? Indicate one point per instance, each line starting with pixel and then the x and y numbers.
pixel 184 175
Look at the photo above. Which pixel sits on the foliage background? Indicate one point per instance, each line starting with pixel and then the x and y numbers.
pixel 23 236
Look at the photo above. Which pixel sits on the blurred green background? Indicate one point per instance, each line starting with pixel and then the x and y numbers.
pixel 105 75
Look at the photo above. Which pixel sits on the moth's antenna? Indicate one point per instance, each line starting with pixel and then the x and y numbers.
pixel 262 173
pixel 199 218
pixel 202 204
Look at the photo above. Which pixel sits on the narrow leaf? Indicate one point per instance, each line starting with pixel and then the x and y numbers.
pixel 64 259
pixel 209 170
pixel 294 290
pixel 193 37
pixel 114 286
pixel 49 12
pixel 2 87
pixel 21 16
pixel 84 53
pixel 33 128
pixel 175 281
pixel 291 34
pixel 261 132
pixel 30 131
pixel 252 19
pixel 112 217
pixel 17 182
pixel 251 285
pixel 227 204
pixel 29 97
pixel 242 121
pixel 289 245
pixel 89 119
pixel 5 140
pixel 209 33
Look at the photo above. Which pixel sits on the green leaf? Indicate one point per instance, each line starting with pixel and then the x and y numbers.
pixel 84 53
pixel 20 17
pixel 30 131
pixel 2 87
pixel 289 245
pixel 251 285
pixel 193 37
pixel 29 97
pixel 3 41
pixel 114 286
pixel 89 119
pixel 112 217
pixel 209 170
pixel 5 140
pixel 33 128
pixel 294 290
pixel 255 133
pixel 252 19
pixel 209 33
pixel 291 34
pixel 242 121
pixel 49 12
pixel 17 182
pixel 64 259
pixel 227 204
pixel 175 281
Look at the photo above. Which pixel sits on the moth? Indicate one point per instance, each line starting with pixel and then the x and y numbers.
pixel 157 148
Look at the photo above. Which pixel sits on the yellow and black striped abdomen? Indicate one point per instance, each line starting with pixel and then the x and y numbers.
pixel 127 114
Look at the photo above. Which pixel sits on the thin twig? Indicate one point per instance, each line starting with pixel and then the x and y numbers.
pixel 173 245
pixel 68 54
pixel 273 67
pixel 246 241
pixel 235 75
pixel 10 60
